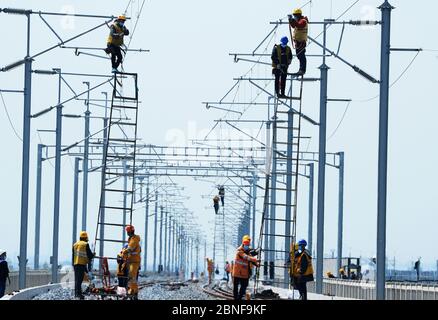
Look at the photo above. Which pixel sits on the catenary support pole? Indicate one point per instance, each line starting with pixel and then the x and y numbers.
pixel 146 228
pixel 75 201
pixel 103 182
pixel 36 263
pixel 310 221
pixel 340 211
pixel 155 231
pixel 85 161
pixel 386 9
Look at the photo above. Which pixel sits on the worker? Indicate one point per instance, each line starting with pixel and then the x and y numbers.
pixel 342 274
pixel 222 194
pixel 242 269
pixel 292 261
pixel 300 24
pixel 4 272
pixel 216 204
pixel 330 275
pixel 82 257
pixel 303 272
pixel 210 269
pixel 122 267
pixel 231 271
pixel 353 275
pixel 133 252
pixel 281 59
pixel 227 269
pixel 115 41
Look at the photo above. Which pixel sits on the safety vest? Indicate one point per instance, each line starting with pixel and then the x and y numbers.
pixel 300 34
pixel 113 39
pixel 309 270
pixel 210 266
pixel 279 54
pixel 242 264
pixel 134 249
pixel 80 253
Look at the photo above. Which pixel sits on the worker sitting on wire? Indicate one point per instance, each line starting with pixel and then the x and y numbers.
pixel 300 24
pixel 281 59
pixel 115 42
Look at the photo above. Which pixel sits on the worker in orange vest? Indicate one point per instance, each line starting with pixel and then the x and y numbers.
pixel 243 264
pixel 210 269
pixel 227 270
pixel 133 258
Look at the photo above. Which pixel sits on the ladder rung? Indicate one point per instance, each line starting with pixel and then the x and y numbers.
pixel 119 174
pixel 287 143
pixel 113 224
pixel 111 240
pixel 276 235
pixel 122 140
pixel 115 190
pixel 123 107
pixel 109 258
pixel 117 208
pixel 280 220
pixel 280 204
pixel 281 127
pixel 282 189
pixel 270 250
pixel 120 157
pixel 275 266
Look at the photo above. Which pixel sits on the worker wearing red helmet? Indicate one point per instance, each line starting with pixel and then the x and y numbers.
pixel 133 252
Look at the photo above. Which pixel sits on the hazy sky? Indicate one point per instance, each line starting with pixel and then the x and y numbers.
pixel 189 63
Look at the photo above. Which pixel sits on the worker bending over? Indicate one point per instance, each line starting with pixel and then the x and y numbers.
pixel 123 267
pixel 82 256
pixel 242 268
pixel 133 252
pixel 115 41
pixel 281 59
pixel 303 269
pixel 300 24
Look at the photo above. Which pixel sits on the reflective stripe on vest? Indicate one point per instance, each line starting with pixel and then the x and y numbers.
pixel 300 34
pixel 80 253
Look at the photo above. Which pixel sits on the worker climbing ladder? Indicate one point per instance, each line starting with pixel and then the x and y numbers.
pixel 118 173
pixel 278 227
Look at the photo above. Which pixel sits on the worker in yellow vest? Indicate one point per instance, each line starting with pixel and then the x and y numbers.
pixel 82 256
pixel 303 269
pixel 133 252
pixel 300 24
pixel 115 41
pixel 281 59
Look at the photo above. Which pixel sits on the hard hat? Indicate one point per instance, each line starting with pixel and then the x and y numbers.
pixel 2 252
pixel 298 11
pixel 302 242
pixel 83 234
pixel 130 229
pixel 122 18
pixel 341 270
pixel 246 239
pixel 284 40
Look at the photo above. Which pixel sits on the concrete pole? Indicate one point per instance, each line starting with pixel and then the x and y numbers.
pixel 321 170
pixel 125 196
pixel 75 201
pixel 214 239
pixel 254 211
pixel 146 228
pixel 25 163
pixel 57 190
pixel 160 259
pixel 386 9
pixel 36 263
pixel 267 214
pixel 310 224
pixel 197 259
pixel 102 209
pixel 273 196
pixel 289 187
pixel 155 231
pixel 341 210
pixel 165 239
pixel 85 161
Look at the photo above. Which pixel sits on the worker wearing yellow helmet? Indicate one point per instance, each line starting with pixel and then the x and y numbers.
pixel 115 41
pixel 300 24
pixel 82 256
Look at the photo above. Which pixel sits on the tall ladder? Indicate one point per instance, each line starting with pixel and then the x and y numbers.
pixel 118 171
pixel 278 227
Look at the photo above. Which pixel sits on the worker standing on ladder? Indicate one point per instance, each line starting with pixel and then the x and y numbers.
pixel 115 41
pixel 303 272
pixel 281 59
pixel 216 204
pixel 242 268
pixel 82 256
pixel 133 258
pixel 300 24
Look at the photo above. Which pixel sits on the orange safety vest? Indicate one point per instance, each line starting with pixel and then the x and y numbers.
pixel 297 266
pixel 134 249
pixel 300 34
pixel 242 264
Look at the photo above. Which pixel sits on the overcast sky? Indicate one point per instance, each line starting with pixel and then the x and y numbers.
pixel 189 63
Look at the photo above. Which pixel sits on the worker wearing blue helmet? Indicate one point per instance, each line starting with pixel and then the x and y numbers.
pixel 281 59
pixel 303 272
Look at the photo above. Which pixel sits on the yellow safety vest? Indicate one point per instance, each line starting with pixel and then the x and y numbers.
pixel 80 253
pixel 309 270
pixel 134 249
pixel 288 53
pixel 300 34
pixel 115 40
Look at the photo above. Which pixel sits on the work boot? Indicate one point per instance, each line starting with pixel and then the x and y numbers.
pixel 300 73
pixel 114 70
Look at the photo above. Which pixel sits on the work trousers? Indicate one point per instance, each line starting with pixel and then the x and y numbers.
pixel 302 288
pixel 116 55
pixel 301 55
pixel 79 278
pixel 2 287
pixel 280 80
pixel 133 275
pixel 239 293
